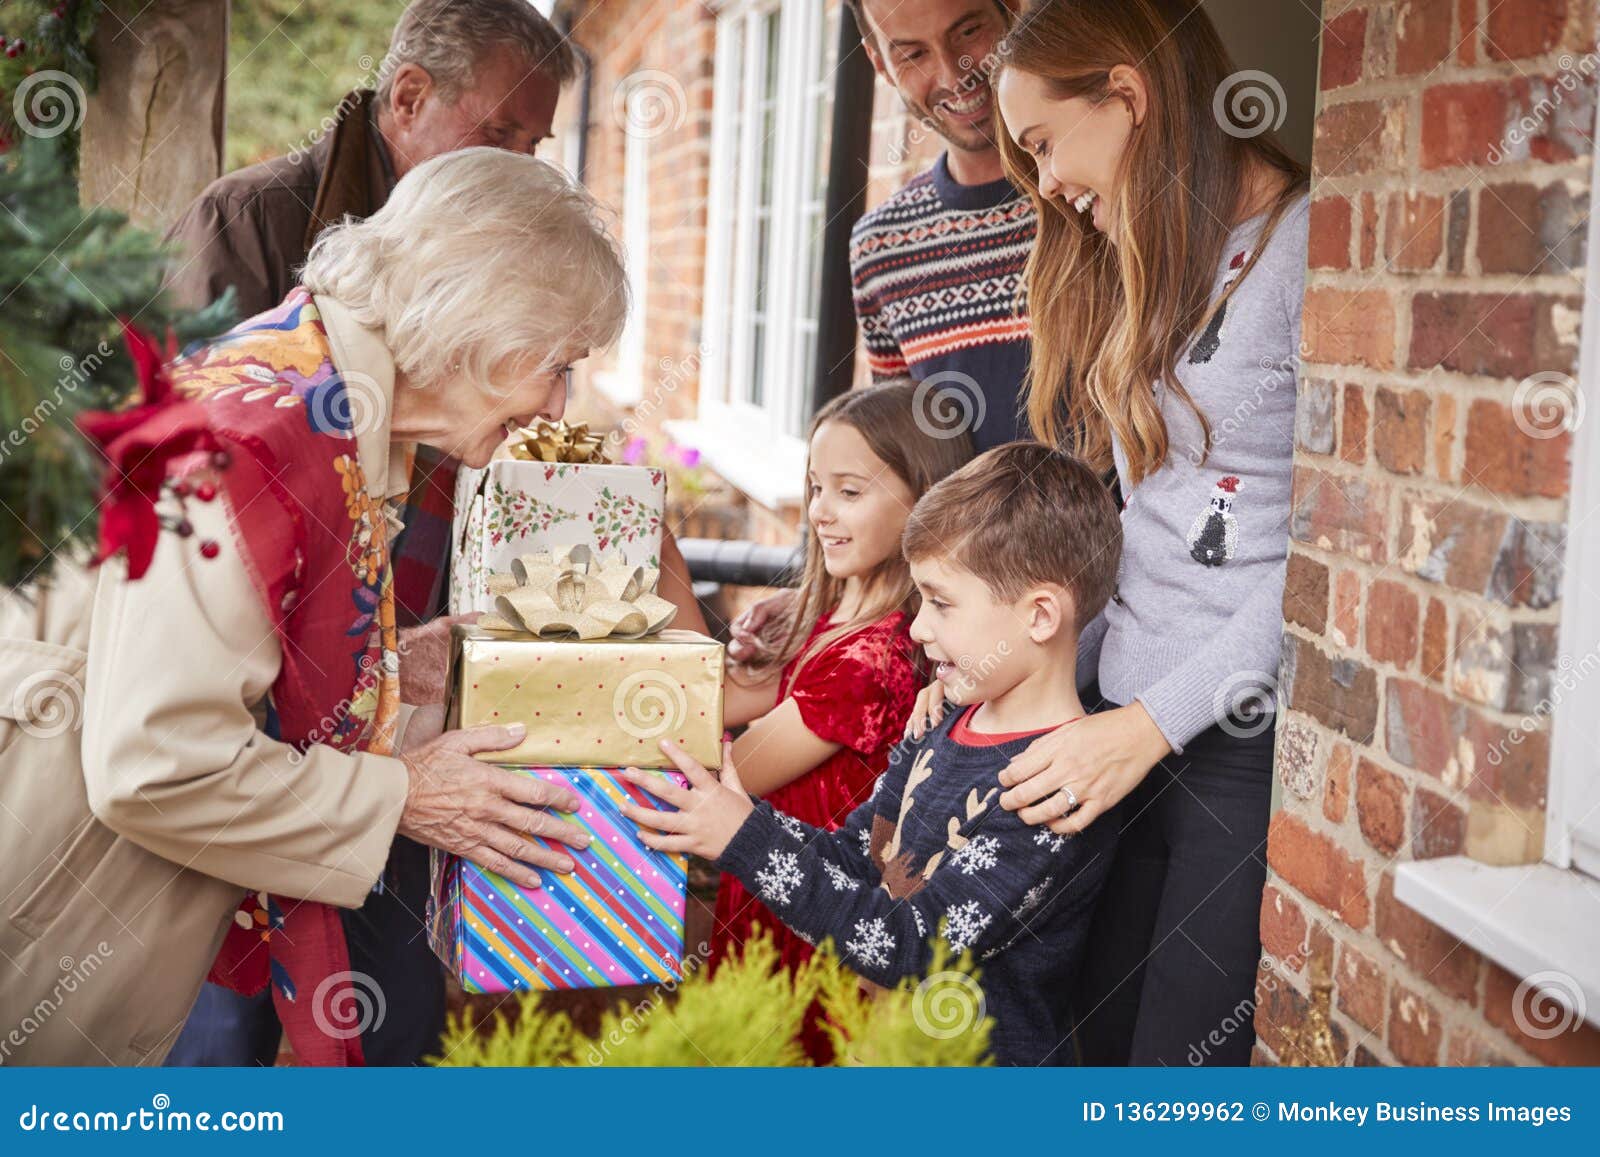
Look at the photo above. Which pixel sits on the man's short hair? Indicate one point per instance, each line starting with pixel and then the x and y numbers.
pixel 863 27
pixel 449 39
pixel 1021 515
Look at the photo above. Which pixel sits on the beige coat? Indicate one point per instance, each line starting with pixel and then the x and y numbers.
pixel 138 801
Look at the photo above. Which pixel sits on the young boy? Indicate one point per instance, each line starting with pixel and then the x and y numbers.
pixel 1012 555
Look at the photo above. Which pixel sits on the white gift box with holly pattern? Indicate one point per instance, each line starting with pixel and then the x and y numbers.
pixel 513 507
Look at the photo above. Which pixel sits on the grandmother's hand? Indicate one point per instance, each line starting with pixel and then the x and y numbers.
pixel 485 813
pixel 425 659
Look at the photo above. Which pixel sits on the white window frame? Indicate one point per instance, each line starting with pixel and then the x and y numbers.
pixel 625 384
pixel 1536 920
pixel 757 447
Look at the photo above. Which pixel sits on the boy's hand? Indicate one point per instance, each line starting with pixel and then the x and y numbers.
pixel 710 811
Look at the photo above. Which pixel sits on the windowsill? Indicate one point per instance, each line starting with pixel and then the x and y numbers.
pixel 1525 918
pixel 767 470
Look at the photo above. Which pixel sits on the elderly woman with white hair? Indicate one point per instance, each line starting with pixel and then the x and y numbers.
pixel 246 759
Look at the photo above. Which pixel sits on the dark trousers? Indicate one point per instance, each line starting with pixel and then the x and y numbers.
pixel 387 940
pixel 1169 975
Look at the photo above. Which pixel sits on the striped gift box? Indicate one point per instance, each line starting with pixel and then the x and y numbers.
pixel 617 919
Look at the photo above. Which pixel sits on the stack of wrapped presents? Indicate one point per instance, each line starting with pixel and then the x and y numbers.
pixel 560 550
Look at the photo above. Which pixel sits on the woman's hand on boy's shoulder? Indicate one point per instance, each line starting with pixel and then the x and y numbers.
pixel 927 712
pixel 710 811
pixel 1068 779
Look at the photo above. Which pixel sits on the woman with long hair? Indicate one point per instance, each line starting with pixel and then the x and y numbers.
pixel 1165 290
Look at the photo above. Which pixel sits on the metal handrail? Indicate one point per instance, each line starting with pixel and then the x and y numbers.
pixel 741 563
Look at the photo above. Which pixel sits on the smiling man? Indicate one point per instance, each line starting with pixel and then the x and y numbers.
pixel 938 267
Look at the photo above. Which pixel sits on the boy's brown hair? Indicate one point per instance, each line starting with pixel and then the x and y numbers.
pixel 1020 515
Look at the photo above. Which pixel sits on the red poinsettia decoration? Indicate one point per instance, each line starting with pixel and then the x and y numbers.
pixel 138 444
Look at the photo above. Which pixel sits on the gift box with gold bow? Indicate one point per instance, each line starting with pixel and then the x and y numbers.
pixel 576 651
pixel 550 486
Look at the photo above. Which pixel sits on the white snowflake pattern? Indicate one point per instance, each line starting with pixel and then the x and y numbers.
pixel 865 836
pixel 873 943
pixel 922 928
pixel 1033 897
pixel 841 881
pixel 963 923
pixel 793 826
pixel 780 877
pixel 1046 838
pixel 877 786
pixel 976 854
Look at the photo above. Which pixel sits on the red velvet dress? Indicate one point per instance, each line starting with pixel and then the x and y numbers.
pixel 859 693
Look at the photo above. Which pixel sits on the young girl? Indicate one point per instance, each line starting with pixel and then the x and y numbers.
pixel 1167 277
pixel 832 697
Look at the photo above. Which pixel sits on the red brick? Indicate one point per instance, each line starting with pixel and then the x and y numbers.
pixel 1473 333
pixel 1533 1020
pixel 1392 613
pixel 1464 124
pixel 1353 434
pixel 1359 987
pixel 1422 36
pixel 1347 515
pixel 1438 826
pixel 1345 327
pixel 1370 212
pixel 1464 1049
pixel 1434 955
pixel 1510 766
pixel 1330 234
pixel 1328 875
pixel 1528 229
pixel 1455 542
pixel 1523 29
pixel 1344 40
pixel 1400 430
pixel 1278 1006
pixel 1436 642
pixel 1283 930
pixel 1305 593
pixel 1336 792
pixel 1414 238
pixel 1415 1028
pixel 1444 437
pixel 1359 137
pixel 1522 453
pixel 1421 726
pixel 1338 693
pixel 1380 807
pixel 1347 608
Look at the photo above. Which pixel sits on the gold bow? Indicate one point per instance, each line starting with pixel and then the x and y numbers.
pixel 574 592
pixel 546 441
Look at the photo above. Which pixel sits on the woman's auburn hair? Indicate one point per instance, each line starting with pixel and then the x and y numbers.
pixel 898 423
pixel 1109 321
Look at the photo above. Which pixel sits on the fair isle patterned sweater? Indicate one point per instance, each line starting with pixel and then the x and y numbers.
pixel 933 854
pixel 938 277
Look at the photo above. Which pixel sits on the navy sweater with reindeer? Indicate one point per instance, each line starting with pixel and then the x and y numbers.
pixel 933 855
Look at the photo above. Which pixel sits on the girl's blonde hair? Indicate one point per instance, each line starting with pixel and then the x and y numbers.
pixel 1111 320
pixel 478 256
pixel 898 421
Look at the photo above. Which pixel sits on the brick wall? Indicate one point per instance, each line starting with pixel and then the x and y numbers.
pixel 1450 202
